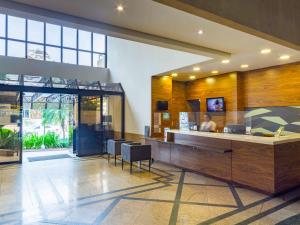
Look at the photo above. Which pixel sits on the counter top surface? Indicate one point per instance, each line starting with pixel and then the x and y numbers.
pixel 241 137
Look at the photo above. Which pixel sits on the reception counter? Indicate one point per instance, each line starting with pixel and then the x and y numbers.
pixel 268 164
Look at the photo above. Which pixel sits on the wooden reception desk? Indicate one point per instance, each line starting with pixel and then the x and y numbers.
pixel 268 164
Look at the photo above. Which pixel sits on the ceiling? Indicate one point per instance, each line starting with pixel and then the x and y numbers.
pixel 150 17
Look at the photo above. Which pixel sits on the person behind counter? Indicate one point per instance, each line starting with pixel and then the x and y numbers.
pixel 208 125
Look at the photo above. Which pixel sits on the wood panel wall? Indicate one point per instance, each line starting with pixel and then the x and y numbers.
pixel 165 89
pixel 179 102
pixel 276 86
pixel 227 86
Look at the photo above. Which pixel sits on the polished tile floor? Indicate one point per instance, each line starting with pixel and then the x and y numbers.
pixel 89 191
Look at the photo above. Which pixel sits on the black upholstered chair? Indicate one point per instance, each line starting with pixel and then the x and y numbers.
pixel 114 148
pixel 133 152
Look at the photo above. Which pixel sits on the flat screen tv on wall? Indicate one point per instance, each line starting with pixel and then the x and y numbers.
pixel 162 105
pixel 215 104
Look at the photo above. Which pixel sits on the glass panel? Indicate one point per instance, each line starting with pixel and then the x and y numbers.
pixel 84 41
pixel 99 43
pixel 2 47
pixel 88 85
pixel 35 51
pixel 36 81
pixel 16 28
pixel 63 83
pixel 2 25
pixel 10 146
pixel 111 87
pixel 112 116
pixel 53 34
pixel 84 58
pixel 11 79
pixel 98 60
pixel 16 49
pixel 53 54
pixel 35 31
pixel 69 37
pixel 69 56
pixel 89 140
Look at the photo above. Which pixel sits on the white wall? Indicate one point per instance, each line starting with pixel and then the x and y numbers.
pixel 132 64
pixel 34 67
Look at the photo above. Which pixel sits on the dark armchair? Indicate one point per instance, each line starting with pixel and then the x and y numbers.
pixel 114 148
pixel 133 153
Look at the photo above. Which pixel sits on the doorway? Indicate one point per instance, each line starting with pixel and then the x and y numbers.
pixel 47 126
pixel 32 109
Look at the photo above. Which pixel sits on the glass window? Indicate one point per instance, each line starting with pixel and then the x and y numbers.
pixel 84 58
pixel 35 51
pixel 98 43
pixel 98 60
pixel 16 49
pixel 69 37
pixel 53 34
pixel 2 25
pixel 69 56
pixel 35 31
pixel 84 41
pixel 16 28
pixel 53 54
pixel 2 47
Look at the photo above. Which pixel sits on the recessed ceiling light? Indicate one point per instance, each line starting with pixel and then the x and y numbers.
pixel 244 66
pixel 120 8
pixel 225 61
pixel 284 57
pixel 192 77
pixel 174 74
pixel 265 51
pixel 200 32
pixel 196 68
pixel 215 72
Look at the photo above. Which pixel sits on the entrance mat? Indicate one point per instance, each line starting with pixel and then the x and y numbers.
pixel 48 157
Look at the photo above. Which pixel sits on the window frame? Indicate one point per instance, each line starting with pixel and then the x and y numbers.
pixel 44 44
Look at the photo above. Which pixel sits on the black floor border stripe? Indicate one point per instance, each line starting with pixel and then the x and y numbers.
pixel 205 185
pixel 175 209
pixel 234 212
pixel 180 202
pixel 106 212
pixel 111 198
pixel 269 211
pixel 236 196
pixel 119 190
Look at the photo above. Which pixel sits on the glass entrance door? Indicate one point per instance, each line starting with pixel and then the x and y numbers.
pixel 90 132
pixel 10 127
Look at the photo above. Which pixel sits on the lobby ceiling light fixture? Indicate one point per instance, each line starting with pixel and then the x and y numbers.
pixel 192 77
pixel 285 57
pixel 215 72
pixel 120 8
pixel 225 61
pixel 174 74
pixel 200 32
pixel 244 66
pixel 196 68
pixel 265 51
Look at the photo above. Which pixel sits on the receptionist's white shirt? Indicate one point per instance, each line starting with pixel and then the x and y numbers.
pixel 208 126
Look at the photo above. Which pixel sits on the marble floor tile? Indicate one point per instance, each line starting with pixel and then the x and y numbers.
pixel 91 191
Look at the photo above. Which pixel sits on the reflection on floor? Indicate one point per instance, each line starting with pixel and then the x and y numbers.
pixel 90 191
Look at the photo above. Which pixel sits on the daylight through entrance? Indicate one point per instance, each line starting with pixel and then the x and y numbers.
pixel 48 125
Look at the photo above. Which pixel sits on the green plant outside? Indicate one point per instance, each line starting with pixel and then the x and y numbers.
pixel 51 140
pixel 8 139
